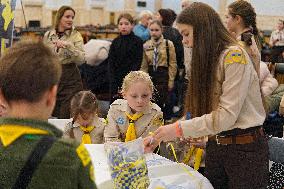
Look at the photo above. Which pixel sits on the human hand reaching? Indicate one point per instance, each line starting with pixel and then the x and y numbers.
pixel 150 144
pixel 165 133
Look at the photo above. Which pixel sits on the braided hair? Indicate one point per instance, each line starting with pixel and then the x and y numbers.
pixel 246 11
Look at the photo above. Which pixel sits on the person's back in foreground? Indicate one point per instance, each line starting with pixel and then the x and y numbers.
pixel 32 153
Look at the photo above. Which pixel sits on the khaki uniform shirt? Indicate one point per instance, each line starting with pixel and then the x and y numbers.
pixel 73 52
pixel 66 165
pixel 118 122
pixel 148 55
pixel 237 99
pixel 277 34
pixel 97 134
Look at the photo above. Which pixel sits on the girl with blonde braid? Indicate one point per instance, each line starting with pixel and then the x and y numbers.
pixel 134 116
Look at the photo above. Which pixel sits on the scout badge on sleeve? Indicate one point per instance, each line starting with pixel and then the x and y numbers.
pixel 235 56
pixel 127 164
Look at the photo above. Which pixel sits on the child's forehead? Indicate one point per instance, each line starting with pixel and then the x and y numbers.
pixel 138 91
pixel 123 20
pixel 154 25
pixel 86 115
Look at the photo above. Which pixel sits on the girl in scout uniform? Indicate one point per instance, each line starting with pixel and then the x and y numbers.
pixel 86 127
pixel 225 103
pixel 134 116
pixel 159 60
pixel 240 20
pixel 67 43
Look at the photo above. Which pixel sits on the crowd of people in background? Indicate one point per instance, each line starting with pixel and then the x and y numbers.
pixel 202 80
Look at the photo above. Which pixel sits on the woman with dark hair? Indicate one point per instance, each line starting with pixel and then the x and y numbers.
pixel 159 60
pixel 167 17
pixel 67 43
pixel 225 103
pixel 241 20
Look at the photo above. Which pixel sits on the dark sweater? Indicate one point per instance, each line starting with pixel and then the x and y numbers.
pixel 125 55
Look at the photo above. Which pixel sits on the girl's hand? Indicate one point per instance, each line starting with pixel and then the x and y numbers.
pixel 165 133
pixel 60 44
pixel 150 144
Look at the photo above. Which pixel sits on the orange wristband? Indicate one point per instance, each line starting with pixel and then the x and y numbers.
pixel 179 132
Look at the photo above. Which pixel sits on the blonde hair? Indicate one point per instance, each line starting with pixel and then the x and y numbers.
pixel 135 76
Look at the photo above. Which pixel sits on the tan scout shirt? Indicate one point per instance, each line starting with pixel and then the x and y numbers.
pixel 148 55
pixel 118 122
pixel 97 134
pixel 73 52
pixel 277 35
pixel 237 100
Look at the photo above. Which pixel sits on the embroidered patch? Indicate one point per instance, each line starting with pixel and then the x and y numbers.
pixel 235 56
pixel 120 121
pixel 83 155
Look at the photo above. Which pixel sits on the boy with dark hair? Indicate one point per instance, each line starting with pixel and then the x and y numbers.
pixel 32 153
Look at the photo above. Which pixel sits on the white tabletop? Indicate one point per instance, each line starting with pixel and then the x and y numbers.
pixel 59 123
pixel 160 169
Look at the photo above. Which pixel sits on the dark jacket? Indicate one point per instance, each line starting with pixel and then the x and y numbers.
pixel 173 35
pixel 125 55
pixel 65 165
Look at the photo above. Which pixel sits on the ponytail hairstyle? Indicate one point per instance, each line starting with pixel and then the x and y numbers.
pixel 245 10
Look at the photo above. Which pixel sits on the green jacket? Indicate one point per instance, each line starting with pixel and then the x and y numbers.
pixel 66 165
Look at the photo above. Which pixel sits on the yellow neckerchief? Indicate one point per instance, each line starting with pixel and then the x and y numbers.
pixel 197 159
pixel 131 132
pixel 86 138
pixel 9 133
